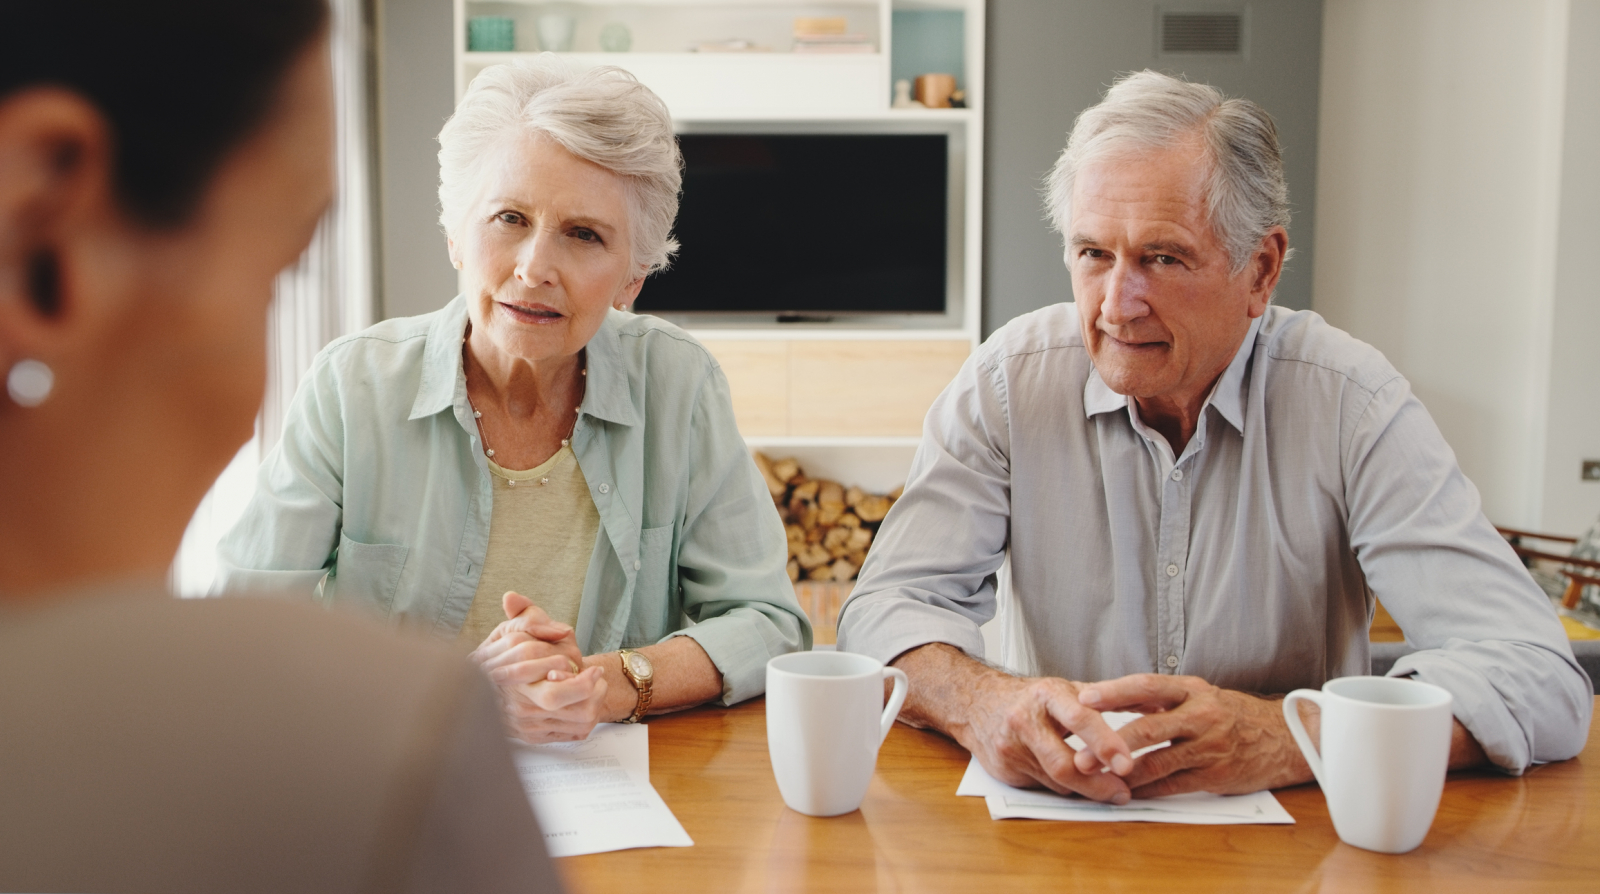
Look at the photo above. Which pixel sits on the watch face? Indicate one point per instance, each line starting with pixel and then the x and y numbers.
pixel 639 664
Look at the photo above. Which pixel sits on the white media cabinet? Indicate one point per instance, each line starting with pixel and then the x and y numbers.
pixel 847 399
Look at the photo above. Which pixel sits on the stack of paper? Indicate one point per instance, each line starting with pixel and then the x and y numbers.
pixel 595 795
pixel 1198 808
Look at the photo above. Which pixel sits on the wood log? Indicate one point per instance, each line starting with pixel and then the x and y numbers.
pixel 860 539
pixel 775 486
pixel 813 556
pixel 836 541
pixel 794 570
pixel 786 469
pixel 853 495
pixel 828 516
pixel 844 569
pixel 806 492
pixel 848 520
pixel 873 509
pixel 831 496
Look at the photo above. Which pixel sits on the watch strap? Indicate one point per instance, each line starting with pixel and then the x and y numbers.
pixel 645 687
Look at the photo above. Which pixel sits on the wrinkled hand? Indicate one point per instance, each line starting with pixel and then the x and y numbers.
pixel 546 692
pixel 1017 729
pixel 1224 742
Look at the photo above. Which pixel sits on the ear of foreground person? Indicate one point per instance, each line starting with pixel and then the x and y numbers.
pixel 152 744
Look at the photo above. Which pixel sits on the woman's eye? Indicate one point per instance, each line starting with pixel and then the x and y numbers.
pixel 509 217
pixel 586 235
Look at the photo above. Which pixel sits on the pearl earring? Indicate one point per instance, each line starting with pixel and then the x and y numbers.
pixel 29 383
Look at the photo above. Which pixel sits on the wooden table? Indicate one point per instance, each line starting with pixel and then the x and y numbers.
pixel 1492 833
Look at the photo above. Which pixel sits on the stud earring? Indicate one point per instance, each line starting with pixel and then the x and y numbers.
pixel 29 383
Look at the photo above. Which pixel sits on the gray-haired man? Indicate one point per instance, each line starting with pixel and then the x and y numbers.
pixel 1200 495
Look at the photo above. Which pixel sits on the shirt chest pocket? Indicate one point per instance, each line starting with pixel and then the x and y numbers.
pixel 654 588
pixel 366 574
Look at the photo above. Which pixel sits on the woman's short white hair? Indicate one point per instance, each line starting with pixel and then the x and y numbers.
pixel 602 115
pixel 1246 194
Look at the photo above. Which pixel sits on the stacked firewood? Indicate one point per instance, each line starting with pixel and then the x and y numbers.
pixel 830 526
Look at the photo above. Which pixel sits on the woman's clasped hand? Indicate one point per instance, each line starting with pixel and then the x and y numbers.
pixel 547 692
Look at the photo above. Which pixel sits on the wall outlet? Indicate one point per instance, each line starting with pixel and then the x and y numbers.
pixel 1591 470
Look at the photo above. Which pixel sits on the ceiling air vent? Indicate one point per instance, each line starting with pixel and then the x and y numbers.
pixel 1202 32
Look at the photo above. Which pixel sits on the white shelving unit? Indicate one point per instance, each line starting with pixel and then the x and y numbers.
pixel 887 369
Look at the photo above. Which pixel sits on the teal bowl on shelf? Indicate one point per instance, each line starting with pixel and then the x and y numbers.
pixel 491 34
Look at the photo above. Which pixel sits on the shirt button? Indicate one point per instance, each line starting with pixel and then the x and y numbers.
pixel 1172 661
pixel 605 488
pixel 635 564
pixel 1172 571
pixel 1177 474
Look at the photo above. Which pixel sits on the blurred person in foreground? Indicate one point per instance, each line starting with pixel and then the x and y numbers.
pixel 159 163
pixel 1199 494
pixel 533 471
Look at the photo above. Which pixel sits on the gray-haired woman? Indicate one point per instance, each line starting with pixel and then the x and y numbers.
pixel 531 469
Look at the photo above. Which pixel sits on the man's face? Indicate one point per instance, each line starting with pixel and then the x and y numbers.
pixel 1161 313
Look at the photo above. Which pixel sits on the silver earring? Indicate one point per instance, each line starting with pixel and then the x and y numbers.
pixel 29 383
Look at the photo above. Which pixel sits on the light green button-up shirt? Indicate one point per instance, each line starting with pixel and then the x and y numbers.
pixel 379 496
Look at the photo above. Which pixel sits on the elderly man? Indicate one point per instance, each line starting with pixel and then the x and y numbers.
pixel 1200 495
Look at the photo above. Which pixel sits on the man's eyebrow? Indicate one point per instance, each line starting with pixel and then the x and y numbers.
pixel 1169 248
pixel 1079 240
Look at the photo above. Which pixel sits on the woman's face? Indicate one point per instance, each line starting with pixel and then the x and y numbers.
pixel 545 250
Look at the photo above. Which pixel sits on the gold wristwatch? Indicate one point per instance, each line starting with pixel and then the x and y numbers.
pixel 637 668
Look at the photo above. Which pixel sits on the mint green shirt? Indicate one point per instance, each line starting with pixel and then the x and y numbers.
pixel 378 495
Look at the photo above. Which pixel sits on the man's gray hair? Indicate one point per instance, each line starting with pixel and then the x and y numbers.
pixel 1246 195
pixel 602 115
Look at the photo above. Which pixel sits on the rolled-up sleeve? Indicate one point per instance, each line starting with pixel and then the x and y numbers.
pixel 1483 629
pixel 930 576
pixel 285 540
pixel 731 554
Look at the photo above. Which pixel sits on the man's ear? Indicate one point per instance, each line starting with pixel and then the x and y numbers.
pixel 54 167
pixel 1266 267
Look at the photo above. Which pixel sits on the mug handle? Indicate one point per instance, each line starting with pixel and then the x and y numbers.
pixel 1291 715
pixel 896 699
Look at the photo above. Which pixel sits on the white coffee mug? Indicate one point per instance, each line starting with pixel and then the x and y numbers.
pixel 1385 750
pixel 825 721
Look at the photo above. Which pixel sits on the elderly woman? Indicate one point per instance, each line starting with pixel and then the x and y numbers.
pixel 533 452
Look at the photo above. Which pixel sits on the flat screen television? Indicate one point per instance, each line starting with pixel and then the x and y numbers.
pixel 803 226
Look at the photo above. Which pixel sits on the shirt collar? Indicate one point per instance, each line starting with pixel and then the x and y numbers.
pixel 1227 395
pixel 442 377
pixel 606 394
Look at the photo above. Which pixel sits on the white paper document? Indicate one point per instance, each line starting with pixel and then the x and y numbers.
pixel 595 795
pixel 1198 808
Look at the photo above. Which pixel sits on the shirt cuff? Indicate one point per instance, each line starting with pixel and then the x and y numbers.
pixel 740 643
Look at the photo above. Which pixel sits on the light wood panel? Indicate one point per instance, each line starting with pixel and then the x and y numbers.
pixel 1493 833
pixel 758 381
pixel 867 388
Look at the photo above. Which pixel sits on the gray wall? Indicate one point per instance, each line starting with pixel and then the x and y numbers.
pixel 416 93
pixel 1050 59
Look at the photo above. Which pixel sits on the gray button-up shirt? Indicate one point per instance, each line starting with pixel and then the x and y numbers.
pixel 1314 481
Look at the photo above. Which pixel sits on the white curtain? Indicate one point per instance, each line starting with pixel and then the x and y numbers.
pixel 327 293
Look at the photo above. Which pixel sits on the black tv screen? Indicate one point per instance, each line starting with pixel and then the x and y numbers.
pixel 808 224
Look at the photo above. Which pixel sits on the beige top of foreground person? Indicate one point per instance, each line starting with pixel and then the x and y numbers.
pixel 146 743
pixel 1199 496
